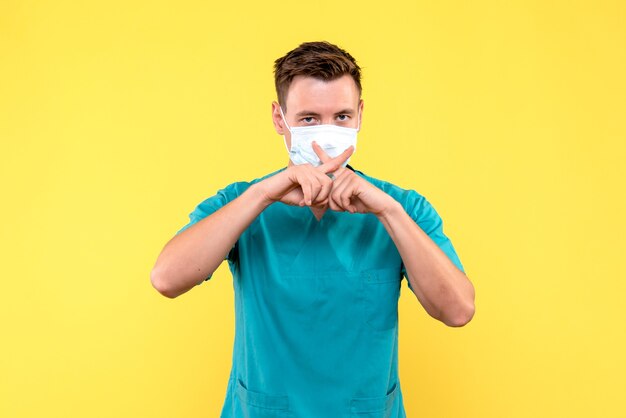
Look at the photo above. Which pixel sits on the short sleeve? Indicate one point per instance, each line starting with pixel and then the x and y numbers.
pixel 425 215
pixel 209 206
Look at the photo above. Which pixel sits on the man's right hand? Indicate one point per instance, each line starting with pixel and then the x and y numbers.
pixel 194 254
pixel 303 184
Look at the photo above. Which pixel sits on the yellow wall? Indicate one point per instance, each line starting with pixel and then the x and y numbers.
pixel 117 118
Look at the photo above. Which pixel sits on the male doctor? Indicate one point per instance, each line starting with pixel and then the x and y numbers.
pixel 317 250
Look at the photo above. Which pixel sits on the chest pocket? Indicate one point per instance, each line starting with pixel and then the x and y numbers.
pixel 261 405
pixel 381 290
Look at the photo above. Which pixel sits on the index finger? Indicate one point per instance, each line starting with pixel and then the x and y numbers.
pixel 320 152
pixel 335 163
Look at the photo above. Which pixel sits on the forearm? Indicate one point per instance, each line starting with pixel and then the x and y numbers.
pixel 444 290
pixel 197 252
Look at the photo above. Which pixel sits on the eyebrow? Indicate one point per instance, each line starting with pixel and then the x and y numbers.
pixel 311 113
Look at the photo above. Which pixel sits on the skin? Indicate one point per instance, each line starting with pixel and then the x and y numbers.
pixel 312 101
pixel 444 291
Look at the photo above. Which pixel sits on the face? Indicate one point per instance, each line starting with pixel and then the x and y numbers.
pixel 311 101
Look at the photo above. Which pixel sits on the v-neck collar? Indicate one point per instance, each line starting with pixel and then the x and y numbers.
pixel 318 221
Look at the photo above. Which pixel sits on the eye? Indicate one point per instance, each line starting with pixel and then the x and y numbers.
pixel 308 119
pixel 343 118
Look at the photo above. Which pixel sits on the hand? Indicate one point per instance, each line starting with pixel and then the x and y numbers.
pixel 304 184
pixel 353 193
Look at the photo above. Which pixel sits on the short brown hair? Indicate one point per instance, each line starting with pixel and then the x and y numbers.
pixel 321 60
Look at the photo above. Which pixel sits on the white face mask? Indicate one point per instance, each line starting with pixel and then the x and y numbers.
pixel 332 139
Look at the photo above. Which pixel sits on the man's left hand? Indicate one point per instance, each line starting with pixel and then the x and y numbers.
pixel 353 193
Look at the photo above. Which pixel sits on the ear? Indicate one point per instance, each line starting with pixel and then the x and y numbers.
pixel 277 119
pixel 361 113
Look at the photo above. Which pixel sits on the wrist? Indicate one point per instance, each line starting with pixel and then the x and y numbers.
pixel 260 195
pixel 391 209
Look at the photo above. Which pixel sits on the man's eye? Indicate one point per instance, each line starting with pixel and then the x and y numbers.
pixel 343 117
pixel 308 119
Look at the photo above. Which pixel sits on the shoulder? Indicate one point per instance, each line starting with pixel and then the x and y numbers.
pixel 222 197
pixel 235 189
pixel 415 205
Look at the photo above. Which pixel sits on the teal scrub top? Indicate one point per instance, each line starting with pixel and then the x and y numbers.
pixel 316 308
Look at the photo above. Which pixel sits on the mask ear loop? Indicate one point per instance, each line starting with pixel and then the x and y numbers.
pixel 283 116
pixel 286 124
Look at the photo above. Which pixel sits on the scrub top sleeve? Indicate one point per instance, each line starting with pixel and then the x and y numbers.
pixel 425 215
pixel 209 206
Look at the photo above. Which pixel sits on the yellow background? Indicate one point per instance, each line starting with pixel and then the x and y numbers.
pixel 117 118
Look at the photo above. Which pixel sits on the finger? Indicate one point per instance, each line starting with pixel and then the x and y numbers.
pixel 305 185
pixel 333 205
pixel 335 199
pixel 338 172
pixel 335 163
pixel 309 199
pixel 294 197
pixel 340 176
pixel 324 203
pixel 295 176
pixel 346 195
pixel 343 189
pixel 359 207
pixel 326 185
pixel 341 192
pixel 347 189
pixel 324 157
pixel 321 154
pixel 316 186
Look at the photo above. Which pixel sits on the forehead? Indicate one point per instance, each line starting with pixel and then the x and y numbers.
pixel 316 94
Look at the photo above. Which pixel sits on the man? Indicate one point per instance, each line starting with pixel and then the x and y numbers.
pixel 318 250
